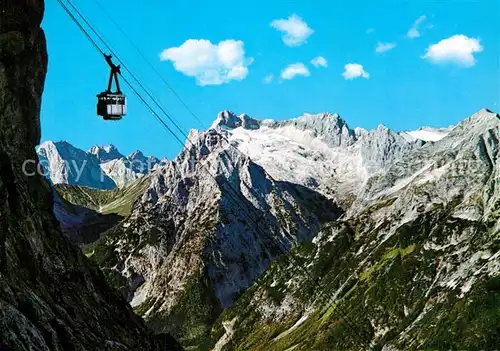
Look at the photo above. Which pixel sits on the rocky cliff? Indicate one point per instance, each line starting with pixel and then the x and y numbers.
pixel 51 296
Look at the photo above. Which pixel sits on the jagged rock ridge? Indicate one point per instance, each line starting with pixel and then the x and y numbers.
pixel 321 150
pixel 105 153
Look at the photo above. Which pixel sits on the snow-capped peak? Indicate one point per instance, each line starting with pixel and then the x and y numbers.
pixel 481 120
pixel 63 163
pixel 360 132
pixel 382 128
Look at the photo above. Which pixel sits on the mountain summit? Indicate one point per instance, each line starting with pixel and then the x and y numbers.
pixel 227 119
pixel 106 153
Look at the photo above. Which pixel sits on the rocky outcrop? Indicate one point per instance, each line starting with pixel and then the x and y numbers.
pixel 227 119
pixel 51 296
pixel 381 147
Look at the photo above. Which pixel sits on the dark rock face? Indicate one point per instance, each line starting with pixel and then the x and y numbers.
pixel 51 297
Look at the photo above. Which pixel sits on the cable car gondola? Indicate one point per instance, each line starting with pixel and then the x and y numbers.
pixel 112 105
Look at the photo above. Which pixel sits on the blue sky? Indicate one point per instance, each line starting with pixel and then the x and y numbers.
pixel 437 62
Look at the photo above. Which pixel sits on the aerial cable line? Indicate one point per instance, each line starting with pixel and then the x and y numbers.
pixel 139 51
pixel 163 109
pixel 109 48
pixel 272 239
pixel 89 37
pixel 152 111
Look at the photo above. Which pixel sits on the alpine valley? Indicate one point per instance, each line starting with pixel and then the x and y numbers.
pixel 301 234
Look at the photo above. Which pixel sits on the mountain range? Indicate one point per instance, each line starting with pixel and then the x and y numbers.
pixel 101 167
pixel 104 167
pixel 305 234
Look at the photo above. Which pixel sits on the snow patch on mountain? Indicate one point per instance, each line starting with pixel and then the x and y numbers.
pixel 427 134
pixel 301 157
pixel 330 128
pixel 319 151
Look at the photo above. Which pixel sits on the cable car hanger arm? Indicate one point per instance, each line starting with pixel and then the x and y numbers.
pixel 115 70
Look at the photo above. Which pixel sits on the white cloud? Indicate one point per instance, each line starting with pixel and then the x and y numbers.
pixel 268 79
pixel 295 69
pixel 354 70
pixel 210 64
pixel 319 61
pixel 413 31
pixel 458 49
pixel 370 30
pixel 295 30
pixel 383 47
